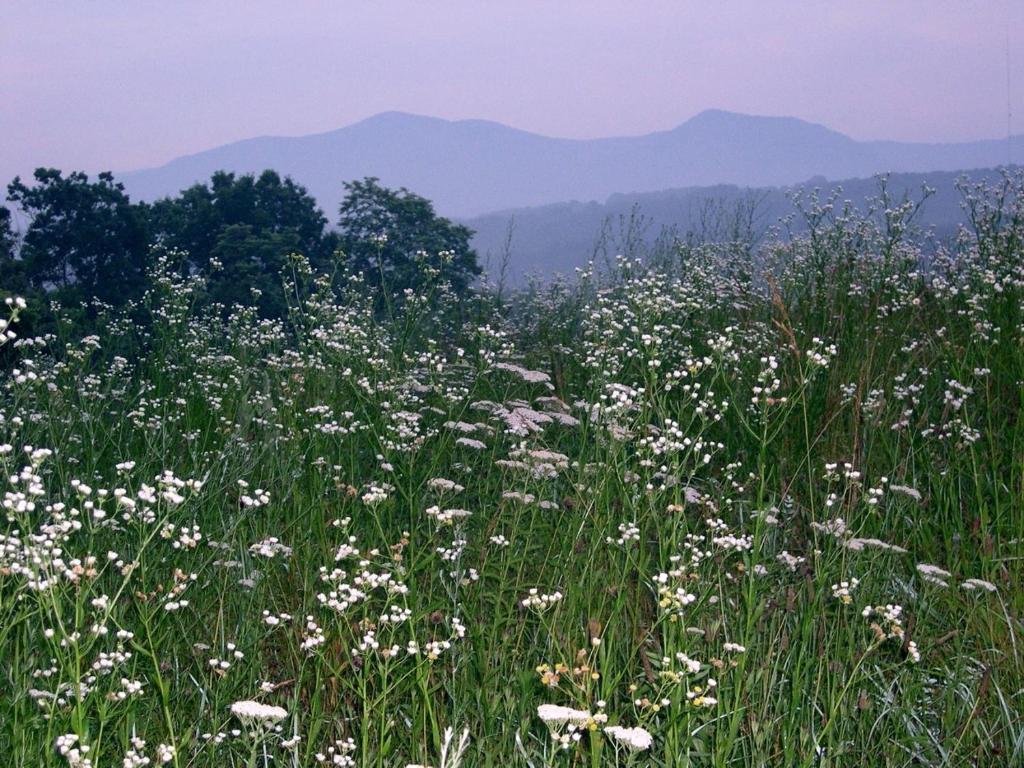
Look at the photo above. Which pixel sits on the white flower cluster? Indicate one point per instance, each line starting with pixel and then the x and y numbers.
pixel 447 516
pixel 843 591
pixel 254 712
pixel 270 548
pixel 634 739
pixel 540 602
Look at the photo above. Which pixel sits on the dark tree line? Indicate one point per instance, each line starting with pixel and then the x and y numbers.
pixel 85 239
pixel 395 237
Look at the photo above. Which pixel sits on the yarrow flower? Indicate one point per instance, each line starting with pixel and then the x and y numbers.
pixel 255 712
pixel 538 601
pixel 634 739
pixel 556 715
pixel 934 575
pixel 574 721
pixel 973 584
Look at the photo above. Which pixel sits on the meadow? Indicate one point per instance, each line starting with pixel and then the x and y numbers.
pixel 730 506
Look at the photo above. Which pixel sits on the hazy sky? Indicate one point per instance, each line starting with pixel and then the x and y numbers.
pixel 124 84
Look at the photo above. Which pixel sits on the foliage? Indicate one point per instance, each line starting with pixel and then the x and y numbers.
pixel 7 237
pixel 87 246
pixel 239 232
pixel 393 237
pixel 85 240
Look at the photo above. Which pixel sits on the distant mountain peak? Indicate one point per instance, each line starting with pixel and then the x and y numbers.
pixel 470 167
pixel 722 118
pixel 718 115
pixel 398 116
pixel 393 119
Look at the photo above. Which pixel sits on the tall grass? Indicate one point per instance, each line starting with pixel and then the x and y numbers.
pixel 728 509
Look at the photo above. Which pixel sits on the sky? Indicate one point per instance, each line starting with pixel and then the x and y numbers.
pixel 109 84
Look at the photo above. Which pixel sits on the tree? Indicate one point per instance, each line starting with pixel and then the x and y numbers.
pixel 11 274
pixel 12 271
pixel 247 226
pixel 7 240
pixel 395 237
pixel 85 239
pixel 268 205
pixel 249 266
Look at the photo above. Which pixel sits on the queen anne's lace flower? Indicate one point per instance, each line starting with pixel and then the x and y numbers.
pixel 634 739
pixel 556 715
pixel 255 712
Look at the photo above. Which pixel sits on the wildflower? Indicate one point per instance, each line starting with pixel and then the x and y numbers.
pixel 447 516
pixel 973 584
pixel 844 589
pixel 690 665
pixel 443 485
pixel 253 712
pixel 270 548
pixel 634 739
pixel 76 754
pixel 530 377
pixel 835 528
pixel 906 490
pixel 934 575
pixel 135 757
pixel 913 653
pixel 790 561
pixel 857 545
pixel 540 602
pixel 555 715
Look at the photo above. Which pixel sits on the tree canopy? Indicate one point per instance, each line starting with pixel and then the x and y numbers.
pixel 239 230
pixel 395 237
pixel 7 240
pixel 85 240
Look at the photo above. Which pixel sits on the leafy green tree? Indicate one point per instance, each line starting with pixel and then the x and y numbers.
pixel 7 239
pixel 395 237
pixel 12 276
pixel 268 205
pixel 248 268
pixel 239 230
pixel 84 240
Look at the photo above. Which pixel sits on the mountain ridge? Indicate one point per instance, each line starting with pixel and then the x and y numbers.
pixel 471 167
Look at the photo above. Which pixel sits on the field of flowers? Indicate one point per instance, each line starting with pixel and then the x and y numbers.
pixel 735 507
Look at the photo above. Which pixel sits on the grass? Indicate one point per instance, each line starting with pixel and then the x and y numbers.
pixel 345 515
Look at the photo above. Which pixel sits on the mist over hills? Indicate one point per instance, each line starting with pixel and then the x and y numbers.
pixel 555 239
pixel 472 167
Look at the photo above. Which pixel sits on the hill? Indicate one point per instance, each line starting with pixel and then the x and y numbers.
pixel 471 167
pixel 555 239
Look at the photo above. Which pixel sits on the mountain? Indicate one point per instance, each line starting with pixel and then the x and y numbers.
pixel 555 239
pixel 470 167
